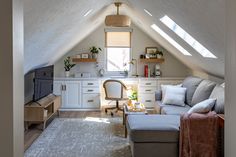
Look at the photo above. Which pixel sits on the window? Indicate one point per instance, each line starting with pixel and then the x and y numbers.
pixel 187 37
pixel 170 40
pixel 118 51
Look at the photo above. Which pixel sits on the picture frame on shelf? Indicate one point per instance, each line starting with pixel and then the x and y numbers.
pixel 85 55
pixel 151 50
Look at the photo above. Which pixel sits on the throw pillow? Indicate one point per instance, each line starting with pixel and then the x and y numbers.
pixel 174 96
pixel 203 107
pixel 163 89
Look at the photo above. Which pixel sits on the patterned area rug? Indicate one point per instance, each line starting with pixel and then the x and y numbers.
pixel 87 137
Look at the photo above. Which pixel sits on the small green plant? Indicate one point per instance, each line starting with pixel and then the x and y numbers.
pixel 94 49
pixel 159 53
pixel 67 64
pixel 134 95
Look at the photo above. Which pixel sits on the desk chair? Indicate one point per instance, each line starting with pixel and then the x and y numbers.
pixel 114 90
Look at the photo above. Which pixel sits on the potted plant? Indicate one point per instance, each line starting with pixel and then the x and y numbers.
pixel 159 54
pixel 95 50
pixel 133 96
pixel 67 66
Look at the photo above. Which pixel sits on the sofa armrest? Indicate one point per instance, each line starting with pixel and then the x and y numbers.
pixel 158 95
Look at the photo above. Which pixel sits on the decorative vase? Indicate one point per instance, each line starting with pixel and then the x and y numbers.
pixel 67 73
pixel 95 55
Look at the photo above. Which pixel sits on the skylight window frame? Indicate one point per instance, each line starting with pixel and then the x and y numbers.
pixel 170 40
pixel 167 21
pixel 148 12
pixel 88 12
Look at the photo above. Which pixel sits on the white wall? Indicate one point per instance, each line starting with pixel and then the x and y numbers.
pixel 12 79
pixel 208 76
pixel 230 84
pixel 171 66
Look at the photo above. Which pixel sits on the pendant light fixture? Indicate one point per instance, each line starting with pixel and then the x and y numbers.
pixel 117 20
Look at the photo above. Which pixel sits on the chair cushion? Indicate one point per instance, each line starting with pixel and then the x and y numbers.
pixel 153 128
pixel 191 83
pixel 219 94
pixel 203 91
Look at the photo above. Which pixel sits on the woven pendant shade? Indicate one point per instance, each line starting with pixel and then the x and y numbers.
pixel 117 20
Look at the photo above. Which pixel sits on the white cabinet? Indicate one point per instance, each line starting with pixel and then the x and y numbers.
pixel 70 92
pixel 90 94
pixel 169 82
pixel 146 92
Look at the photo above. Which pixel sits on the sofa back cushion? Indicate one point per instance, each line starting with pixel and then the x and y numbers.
pixel 203 91
pixel 190 83
pixel 219 94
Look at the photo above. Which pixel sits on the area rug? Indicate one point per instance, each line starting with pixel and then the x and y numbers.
pixel 87 137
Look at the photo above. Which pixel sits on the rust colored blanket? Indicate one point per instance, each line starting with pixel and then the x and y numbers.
pixel 198 135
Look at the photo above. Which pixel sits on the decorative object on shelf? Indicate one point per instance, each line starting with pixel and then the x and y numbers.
pixel 67 66
pixel 85 55
pixel 95 50
pixel 146 70
pixel 117 20
pixel 159 54
pixel 78 56
pixel 151 50
pixel 142 56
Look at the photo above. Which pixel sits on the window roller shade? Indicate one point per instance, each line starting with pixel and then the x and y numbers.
pixel 118 39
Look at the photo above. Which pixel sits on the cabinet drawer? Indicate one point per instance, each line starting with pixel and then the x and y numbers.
pixel 168 82
pixel 90 90
pixel 147 90
pixel 90 83
pixel 91 101
pixel 147 83
pixel 147 99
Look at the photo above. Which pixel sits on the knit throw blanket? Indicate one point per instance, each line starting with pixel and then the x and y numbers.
pixel 199 135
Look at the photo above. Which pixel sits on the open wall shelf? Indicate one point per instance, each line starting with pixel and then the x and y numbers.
pixel 154 60
pixel 84 60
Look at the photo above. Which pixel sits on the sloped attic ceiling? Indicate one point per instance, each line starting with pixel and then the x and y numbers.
pixel 53 27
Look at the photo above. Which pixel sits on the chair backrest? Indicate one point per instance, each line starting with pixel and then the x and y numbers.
pixel 114 89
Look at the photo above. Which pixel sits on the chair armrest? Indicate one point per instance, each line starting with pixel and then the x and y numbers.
pixel 158 95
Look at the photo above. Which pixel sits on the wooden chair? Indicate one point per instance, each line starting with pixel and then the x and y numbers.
pixel 114 90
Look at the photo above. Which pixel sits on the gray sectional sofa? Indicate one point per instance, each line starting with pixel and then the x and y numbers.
pixel 158 135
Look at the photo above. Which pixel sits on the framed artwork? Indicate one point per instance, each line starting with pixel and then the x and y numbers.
pixel 85 55
pixel 151 50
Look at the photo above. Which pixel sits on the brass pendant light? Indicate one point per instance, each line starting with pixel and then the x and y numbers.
pixel 117 20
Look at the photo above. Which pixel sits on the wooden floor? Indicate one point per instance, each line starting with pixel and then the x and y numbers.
pixel 36 129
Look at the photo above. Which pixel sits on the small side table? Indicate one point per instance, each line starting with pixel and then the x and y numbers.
pixel 127 112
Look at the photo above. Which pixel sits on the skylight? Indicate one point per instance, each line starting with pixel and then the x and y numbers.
pixel 147 12
pixel 170 40
pixel 187 37
pixel 88 12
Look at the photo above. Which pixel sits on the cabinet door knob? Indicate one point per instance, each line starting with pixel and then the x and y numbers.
pixel 90 84
pixel 148 84
pixel 148 100
pixel 90 90
pixel 90 100
pixel 148 90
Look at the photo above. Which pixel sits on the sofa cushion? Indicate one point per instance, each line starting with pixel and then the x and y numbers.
pixel 153 128
pixel 219 94
pixel 191 83
pixel 203 91
pixel 174 110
